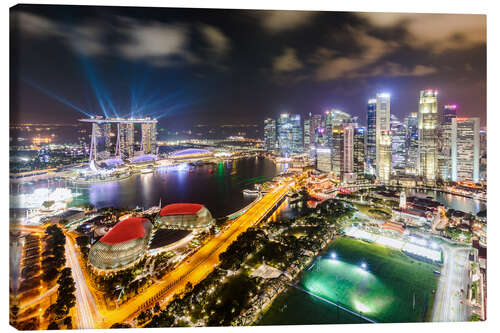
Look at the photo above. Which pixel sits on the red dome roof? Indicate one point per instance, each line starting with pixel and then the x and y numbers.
pixel 126 230
pixel 181 209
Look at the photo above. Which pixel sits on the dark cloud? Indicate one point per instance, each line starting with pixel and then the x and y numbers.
pixel 246 65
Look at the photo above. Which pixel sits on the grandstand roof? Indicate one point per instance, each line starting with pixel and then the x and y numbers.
pixel 181 209
pixel 190 151
pixel 126 230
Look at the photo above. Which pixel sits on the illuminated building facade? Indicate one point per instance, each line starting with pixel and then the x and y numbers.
pixel 290 134
pixel 465 149
pixel 412 143
pixel 383 124
pixel 338 150
pixel 444 141
pixel 100 142
pixel 384 161
pixel 307 134
pixel 428 135
pixel 184 216
pixel 121 246
pixel 148 138
pixel 315 128
pixel 349 175
pixel 270 134
pixel 399 144
pixel 359 151
pixel 371 132
pixel 324 159
pixel 126 143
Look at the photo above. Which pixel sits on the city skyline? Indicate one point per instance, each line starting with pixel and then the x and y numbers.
pixel 175 167
pixel 207 70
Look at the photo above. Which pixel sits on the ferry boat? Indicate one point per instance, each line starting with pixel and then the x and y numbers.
pixel 250 192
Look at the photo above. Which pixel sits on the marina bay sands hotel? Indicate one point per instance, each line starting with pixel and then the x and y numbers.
pixel 127 144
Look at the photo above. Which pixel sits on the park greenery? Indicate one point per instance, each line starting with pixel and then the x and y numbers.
pixel 230 291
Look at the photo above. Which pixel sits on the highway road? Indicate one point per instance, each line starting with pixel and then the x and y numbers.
pixel 86 311
pixel 454 277
pixel 196 267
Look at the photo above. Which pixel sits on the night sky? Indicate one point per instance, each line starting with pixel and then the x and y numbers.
pixel 191 66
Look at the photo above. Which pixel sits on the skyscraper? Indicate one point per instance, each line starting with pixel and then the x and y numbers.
pixel 148 138
pixel 290 134
pixel 371 133
pixel 359 152
pixel 270 134
pixel 315 128
pixel 307 134
pixel 465 149
pixel 384 160
pixel 349 175
pixel 126 147
pixel 297 134
pixel 102 140
pixel 338 150
pixel 444 141
pixel 399 144
pixel 324 159
pixel 412 143
pixel 383 124
pixel 427 135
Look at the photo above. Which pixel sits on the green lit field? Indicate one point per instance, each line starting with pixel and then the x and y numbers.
pixel 393 287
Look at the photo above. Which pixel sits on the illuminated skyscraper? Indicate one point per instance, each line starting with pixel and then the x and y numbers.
pixel 324 159
pixel 290 134
pixel 338 150
pixel 359 152
pixel 399 144
pixel 383 124
pixel 103 140
pixel 307 134
pixel 444 141
pixel 297 134
pixel 148 138
pixel 126 132
pixel 384 160
pixel 371 132
pixel 428 135
pixel 349 175
pixel 315 128
pixel 270 134
pixel 412 143
pixel 465 149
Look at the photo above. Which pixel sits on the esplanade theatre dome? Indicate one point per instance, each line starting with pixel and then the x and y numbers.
pixel 184 216
pixel 126 242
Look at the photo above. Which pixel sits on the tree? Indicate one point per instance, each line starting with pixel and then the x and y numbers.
pixel 68 322
pixel 53 326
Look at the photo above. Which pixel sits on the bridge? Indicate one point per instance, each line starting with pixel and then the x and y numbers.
pixel 195 268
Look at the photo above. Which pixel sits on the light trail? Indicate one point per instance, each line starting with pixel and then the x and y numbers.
pixel 197 266
pixel 86 312
pixel 453 279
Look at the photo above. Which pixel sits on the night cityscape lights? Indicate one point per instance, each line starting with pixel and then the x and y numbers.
pixel 209 186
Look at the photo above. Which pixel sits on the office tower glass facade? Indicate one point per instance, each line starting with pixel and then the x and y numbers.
pixel 371 132
pixel 428 135
pixel 444 141
pixel 270 134
pixel 465 149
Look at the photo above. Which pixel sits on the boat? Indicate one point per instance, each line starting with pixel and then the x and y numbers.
pixel 250 192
